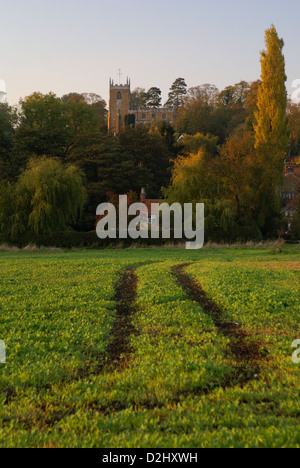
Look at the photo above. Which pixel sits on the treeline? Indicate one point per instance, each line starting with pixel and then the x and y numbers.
pixel 72 133
pixel 227 149
pixel 257 131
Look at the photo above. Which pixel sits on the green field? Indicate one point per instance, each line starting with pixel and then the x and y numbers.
pixel 126 348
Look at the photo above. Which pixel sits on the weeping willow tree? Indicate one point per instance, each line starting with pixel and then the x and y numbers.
pixel 193 181
pixel 46 199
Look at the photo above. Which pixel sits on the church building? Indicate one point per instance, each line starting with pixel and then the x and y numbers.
pixel 120 110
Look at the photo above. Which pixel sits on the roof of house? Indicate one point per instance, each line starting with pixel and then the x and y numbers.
pixel 292 205
pixel 148 203
pixel 297 171
pixel 291 181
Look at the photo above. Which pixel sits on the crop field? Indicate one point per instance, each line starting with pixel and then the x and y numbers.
pixel 150 348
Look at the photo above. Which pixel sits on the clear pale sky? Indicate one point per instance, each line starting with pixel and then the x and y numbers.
pixel 77 45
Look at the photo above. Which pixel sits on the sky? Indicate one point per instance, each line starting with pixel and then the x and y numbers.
pixel 77 45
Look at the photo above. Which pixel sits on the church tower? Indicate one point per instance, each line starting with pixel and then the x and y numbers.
pixel 119 106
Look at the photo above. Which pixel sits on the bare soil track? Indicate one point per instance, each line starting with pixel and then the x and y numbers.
pixel 119 348
pixel 117 353
pixel 245 350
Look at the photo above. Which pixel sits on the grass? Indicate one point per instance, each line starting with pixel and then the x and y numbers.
pixel 177 382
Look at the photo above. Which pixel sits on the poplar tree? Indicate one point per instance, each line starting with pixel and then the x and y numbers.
pixel 271 136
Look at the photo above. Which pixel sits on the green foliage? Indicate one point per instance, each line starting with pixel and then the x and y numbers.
pixel 57 324
pixel 153 98
pixel 293 113
pixel 129 120
pixel 93 105
pixel 151 151
pixel 8 120
pixel 46 199
pixel 138 98
pixel 194 143
pixel 217 161
pixel 194 182
pixel 177 91
pixel 44 126
pixel 52 126
pixel 208 111
pixel 296 222
pixel 190 179
pixel 271 134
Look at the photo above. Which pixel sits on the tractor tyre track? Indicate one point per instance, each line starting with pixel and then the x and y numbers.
pixel 119 349
pixel 117 354
pixel 245 351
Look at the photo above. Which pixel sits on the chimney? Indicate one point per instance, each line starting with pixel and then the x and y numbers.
pixel 143 195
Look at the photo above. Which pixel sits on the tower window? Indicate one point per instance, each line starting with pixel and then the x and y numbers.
pixel 119 96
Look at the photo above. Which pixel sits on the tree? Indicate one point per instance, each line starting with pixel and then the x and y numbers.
pixel 233 169
pixel 205 110
pixel 138 98
pixel 194 181
pixel 193 143
pixel 83 122
pixel 195 116
pixel 191 179
pixel 74 97
pixel 233 95
pixel 167 131
pixel 293 113
pixel 100 110
pixel 94 102
pixel 271 134
pixel 46 199
pixel 153 98
pixel 151 151
pixel 7 122
pixel 177 91
pixel 51 126
pixel 206 93
pixel 296 222
pixel 44 127
pixel 231 102
pixel 251 104
pixel 107 166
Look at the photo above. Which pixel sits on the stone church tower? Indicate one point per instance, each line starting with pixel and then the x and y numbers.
pixel 119 106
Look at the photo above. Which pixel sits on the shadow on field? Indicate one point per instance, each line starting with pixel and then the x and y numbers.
pixel 246 351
